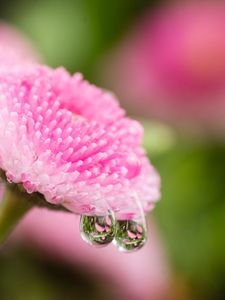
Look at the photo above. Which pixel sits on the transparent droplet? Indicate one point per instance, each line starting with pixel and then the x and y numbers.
pixel 133 166
pixel 98 230
pixel 130 236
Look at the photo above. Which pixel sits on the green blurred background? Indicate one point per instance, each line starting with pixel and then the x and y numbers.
pixel 191 214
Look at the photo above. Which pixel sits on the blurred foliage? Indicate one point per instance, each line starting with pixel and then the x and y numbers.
pixel 73 33
pixel 191 214
pixel 26 274
pixel 158 137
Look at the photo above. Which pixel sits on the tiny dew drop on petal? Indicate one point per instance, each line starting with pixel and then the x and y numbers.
pixel 98 230
pixel 133 165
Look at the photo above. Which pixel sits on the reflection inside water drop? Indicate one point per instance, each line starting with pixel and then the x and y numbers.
pixel 98 230
pixel 130 235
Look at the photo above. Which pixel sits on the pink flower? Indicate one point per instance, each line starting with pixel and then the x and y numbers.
pixel 71 142
pixel 172 65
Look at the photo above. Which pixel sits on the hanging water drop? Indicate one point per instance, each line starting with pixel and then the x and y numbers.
pixel 98 230
pixel 130 235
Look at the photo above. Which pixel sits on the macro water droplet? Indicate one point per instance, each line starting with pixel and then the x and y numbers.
pixel 130 235
pixel 98 230
pixel 133 166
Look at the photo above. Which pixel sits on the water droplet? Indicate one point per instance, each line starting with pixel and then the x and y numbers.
pixel 133 165
pixel 98 230
pixel 130 235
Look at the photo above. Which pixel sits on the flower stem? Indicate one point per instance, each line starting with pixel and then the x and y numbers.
pixel 12 209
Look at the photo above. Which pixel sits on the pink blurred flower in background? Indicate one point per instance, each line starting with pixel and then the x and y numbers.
pixel 141 275
pixel 15 48
pixel 172 65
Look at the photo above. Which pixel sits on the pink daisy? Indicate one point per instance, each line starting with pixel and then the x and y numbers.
pixel 68 142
